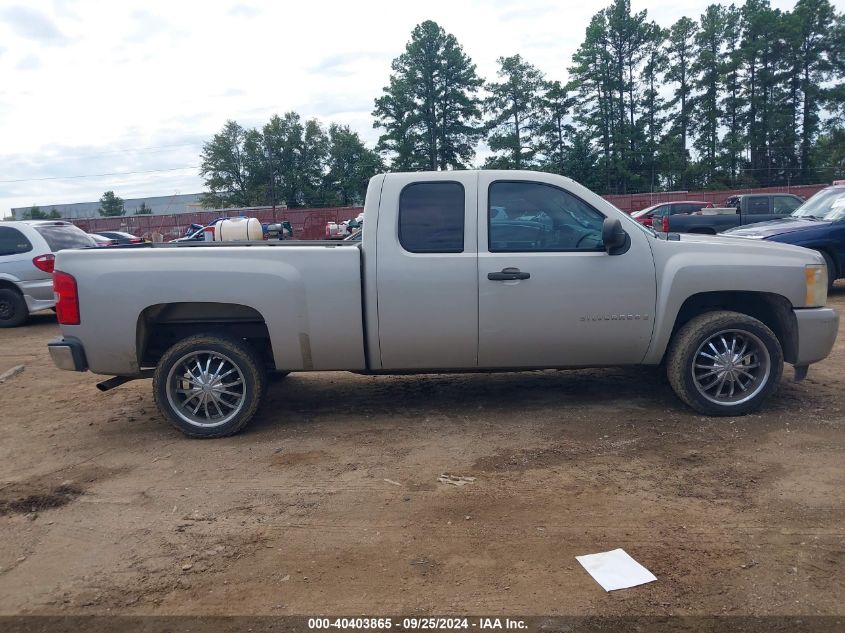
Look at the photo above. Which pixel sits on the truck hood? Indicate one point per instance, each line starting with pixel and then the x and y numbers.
pixel 762 230
pixel 731 244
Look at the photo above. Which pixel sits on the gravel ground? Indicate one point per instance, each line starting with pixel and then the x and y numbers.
pixel 331 501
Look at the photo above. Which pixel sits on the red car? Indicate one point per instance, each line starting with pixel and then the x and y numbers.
pixel 656 212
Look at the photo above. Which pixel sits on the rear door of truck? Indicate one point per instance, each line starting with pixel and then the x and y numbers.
pixel 426 267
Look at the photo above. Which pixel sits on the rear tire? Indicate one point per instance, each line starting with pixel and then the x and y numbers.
pixel 13 310
pixel 209 385
pixel 724 363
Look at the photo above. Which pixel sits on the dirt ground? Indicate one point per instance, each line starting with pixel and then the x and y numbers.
pixel 330 501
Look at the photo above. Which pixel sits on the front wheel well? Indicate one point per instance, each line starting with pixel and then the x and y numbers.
pixel 162 325
pixel 774 310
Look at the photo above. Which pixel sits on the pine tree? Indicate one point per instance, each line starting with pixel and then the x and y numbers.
pixel 431 104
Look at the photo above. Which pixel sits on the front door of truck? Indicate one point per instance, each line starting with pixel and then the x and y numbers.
pixel 427 305
pixel 549 294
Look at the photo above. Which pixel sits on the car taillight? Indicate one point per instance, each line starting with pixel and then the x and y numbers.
pixel 665 224
pixel 67 298
pixel 45 262
pixel 136 240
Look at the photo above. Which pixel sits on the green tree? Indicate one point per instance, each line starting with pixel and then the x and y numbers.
pixel 111 205
pixel 143 209
pixel 350 166
pixel 515 110
pixel 430 110
pixel 54 214
pixel 556 128
pixel 651 102
pixel 706 70
pixel 35 213
pixel 818 45
pixel 680 48
pixel 223 165
pixel 732 104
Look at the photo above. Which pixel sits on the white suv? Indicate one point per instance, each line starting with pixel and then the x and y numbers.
pixel 26 265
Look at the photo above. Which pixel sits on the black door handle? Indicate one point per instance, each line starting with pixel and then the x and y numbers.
pixel 508 274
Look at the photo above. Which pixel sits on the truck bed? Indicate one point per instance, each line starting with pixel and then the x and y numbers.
pixel 308 294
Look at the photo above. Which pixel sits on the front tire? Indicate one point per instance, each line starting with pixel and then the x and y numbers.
pixel 209 385
pixel 13 310
pixel 724 363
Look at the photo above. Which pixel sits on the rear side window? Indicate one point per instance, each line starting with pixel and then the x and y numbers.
pixel 59 237
pixel 13 242
pixel 431 217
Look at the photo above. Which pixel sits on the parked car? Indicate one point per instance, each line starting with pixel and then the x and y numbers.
pixel 818 224
pixel 656 212
pixel 102 241
pixel 737 211
pixel 27 254
pixel 122 238
pixel 458 271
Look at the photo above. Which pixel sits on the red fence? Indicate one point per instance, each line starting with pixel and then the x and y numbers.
pixel 310 224
pixel 636 201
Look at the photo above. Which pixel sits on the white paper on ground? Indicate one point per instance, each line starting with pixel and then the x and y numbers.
pixel 615 570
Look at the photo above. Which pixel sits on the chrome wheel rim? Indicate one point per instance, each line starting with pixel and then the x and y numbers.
pixel 206 388
pixel 731 367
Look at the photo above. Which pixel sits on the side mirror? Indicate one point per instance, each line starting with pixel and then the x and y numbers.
pixel 615 239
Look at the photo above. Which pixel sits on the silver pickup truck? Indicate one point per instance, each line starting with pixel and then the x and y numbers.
pixel 456 271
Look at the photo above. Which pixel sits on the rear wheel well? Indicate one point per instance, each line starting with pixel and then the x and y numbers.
pixel 162 325
pixel 772 309
pixel 9 285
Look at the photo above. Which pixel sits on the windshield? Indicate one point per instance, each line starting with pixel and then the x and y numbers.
pixel 827 204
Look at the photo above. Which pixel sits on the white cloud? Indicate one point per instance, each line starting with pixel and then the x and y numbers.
pixel 134 86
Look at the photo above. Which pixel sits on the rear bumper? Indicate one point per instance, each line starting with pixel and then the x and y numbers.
pixel 67 353
pixel 817 329
pixel 38 294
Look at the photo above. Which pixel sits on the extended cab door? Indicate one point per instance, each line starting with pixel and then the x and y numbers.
pixel 427 271
pixel 549 294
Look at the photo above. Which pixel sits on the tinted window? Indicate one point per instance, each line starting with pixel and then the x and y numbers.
pixel 13 241
pixel 60 236
pixel 786 204
pixel 758 204
pixel 660 211
pixel 431 217
pixel 524 216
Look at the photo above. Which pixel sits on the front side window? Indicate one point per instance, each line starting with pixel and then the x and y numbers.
pixel 527 216
pixel 786 204
pixel 431 217
pixel 13 242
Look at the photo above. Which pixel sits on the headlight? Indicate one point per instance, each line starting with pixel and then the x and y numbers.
pixel 816 285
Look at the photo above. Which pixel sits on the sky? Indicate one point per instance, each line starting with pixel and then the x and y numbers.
pixel 98 96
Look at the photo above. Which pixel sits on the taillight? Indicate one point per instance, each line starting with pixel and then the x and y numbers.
pixel 136 240
pixel 67 298
pixel 665 225
pixel 45 262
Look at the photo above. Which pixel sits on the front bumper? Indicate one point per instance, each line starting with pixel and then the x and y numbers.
pixel 817 329
pixel 67 353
